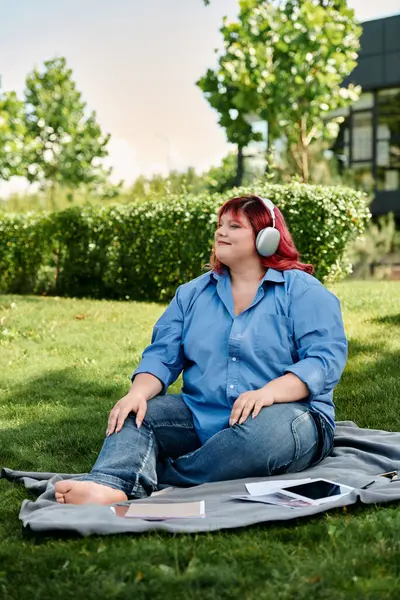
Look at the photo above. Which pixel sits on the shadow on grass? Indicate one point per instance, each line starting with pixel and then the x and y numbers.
pixel 392 320
pixel 369 393
pixel 65 428
pixel 356 347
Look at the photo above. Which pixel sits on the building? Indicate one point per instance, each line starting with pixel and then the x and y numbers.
pixel 369 138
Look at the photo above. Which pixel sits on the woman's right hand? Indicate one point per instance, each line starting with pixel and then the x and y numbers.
pixel 132 402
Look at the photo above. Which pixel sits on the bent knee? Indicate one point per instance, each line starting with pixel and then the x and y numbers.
pixel 279 445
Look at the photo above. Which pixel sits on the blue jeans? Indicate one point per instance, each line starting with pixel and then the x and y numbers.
pixel 283 438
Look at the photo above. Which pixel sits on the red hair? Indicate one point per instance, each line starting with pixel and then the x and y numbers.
pixel 286 256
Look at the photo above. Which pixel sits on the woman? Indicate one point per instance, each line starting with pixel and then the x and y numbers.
pixel 261 345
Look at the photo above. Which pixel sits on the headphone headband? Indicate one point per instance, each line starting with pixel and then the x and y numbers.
pixel 271 207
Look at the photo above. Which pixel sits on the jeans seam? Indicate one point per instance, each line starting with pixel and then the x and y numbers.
pixel 325 430
pixel 169 424
pixel 140 469
pixel 297 437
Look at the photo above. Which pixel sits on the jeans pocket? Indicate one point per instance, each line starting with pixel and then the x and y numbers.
pixel 306 441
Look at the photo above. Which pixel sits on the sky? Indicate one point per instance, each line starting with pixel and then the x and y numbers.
pixel 136 63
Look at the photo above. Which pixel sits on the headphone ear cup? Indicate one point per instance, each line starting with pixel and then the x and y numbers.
pixel 267 241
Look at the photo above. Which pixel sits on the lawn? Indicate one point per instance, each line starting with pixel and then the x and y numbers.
pixel 65 362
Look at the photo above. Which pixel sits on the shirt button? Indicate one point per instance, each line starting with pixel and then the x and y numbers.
pixel 233 358
pixel 231 386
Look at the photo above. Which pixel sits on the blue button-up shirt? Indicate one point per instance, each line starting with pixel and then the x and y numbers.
pixel 294 324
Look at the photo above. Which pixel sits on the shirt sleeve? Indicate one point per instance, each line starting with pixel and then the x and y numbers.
pixel 164 357
pixel 320 340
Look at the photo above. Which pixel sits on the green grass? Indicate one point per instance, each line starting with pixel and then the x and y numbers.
pixel 64 363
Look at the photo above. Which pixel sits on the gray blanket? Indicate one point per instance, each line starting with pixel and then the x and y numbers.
pixel 357 456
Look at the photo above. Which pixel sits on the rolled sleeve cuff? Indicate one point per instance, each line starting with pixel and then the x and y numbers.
pixel 156 368
pixel 310 373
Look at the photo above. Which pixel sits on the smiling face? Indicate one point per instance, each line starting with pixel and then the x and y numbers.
pixel 234 240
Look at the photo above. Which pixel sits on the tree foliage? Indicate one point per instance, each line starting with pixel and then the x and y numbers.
pixel 12 133
pixel 64 143
pixel 285 62
pixel 219 178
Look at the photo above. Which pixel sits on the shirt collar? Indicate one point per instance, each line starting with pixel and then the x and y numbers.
pixel 271 275
pixel 274 275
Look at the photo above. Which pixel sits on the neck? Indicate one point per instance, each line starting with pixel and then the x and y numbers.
pixel 245 275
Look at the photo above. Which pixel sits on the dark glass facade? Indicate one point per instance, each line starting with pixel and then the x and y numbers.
pixel 369 139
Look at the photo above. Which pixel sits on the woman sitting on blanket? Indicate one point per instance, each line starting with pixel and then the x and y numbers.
pixel 261 345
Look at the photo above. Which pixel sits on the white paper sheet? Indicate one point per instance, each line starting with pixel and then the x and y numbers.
pixel 275 499
pixel 281 499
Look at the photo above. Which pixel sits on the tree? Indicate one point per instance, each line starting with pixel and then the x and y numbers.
pixel 224 176
pixel 65 144
pixel 12 132
pixel 285 61
pixel 232 118
pixel 159 187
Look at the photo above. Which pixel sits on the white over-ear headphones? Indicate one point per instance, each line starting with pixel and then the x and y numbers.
pixel 267 240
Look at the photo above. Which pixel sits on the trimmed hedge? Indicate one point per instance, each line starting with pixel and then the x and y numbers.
pixel 145 251
pixel 24 243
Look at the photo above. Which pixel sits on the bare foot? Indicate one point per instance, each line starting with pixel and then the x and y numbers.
pixel 87 492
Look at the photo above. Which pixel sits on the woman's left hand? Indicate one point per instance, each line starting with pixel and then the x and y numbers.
pixel 250 402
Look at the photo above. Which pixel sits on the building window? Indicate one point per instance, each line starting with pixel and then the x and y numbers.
pixel 362 136
pixel 366 100
pixel 388 139
pixel 369 140
pixel 363 175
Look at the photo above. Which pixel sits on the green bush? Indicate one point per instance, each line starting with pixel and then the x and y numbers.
pixel 132 251
pixel 24 245
pixel 323 221
pixel 377 242
pixel 144 251
pixel 80 241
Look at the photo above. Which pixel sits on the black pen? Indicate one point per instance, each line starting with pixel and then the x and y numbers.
pixel 364 487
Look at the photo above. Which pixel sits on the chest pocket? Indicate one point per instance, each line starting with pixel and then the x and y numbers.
pixel 274 339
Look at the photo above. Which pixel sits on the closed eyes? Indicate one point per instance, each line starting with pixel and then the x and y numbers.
pixel 233 226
